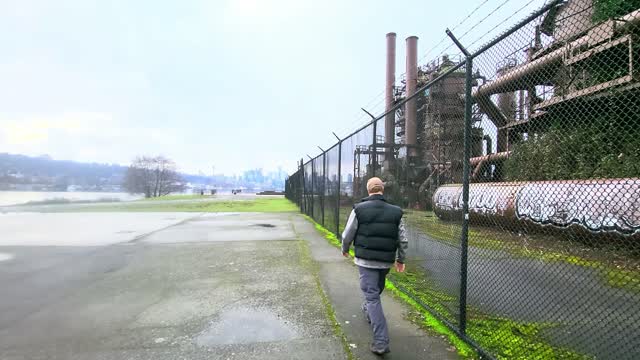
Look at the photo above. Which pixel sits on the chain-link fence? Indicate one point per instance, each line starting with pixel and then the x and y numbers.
pixel 518 167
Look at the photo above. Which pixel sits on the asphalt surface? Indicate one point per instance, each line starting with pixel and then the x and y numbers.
pixel 575 306
pixel 159 286
pixel 185 286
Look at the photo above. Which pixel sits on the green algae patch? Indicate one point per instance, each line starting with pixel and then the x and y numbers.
pixel 503 337
pixel 540 248
pixel 266 205
pixel 430 323
pixel 178 197
pixel 511 340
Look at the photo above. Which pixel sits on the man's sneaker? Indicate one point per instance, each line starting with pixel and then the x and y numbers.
pixel 363 307
pixel 379 350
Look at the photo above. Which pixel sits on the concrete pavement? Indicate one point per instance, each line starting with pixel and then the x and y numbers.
pixel 183 286
pixel 164 297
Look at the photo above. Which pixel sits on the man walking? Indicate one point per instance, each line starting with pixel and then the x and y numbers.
pixel 377 231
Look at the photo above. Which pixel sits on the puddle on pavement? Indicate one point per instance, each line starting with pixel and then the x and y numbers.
pixel 265 225
pixel 125 232
pixel 245 326
pixel 5 256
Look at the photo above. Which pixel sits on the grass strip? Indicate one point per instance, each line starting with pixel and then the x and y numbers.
pixel 267 205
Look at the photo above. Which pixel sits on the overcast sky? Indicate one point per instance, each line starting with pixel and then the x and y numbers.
pixel 234 84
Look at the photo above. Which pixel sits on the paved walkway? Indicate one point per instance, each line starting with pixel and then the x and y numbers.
pixel 339 278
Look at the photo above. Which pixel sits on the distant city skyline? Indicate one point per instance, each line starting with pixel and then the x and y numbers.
pixel 20 172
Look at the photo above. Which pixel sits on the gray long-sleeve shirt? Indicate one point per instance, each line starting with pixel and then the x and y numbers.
pixel 349 234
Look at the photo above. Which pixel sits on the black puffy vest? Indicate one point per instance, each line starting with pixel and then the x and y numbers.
pixel 378 224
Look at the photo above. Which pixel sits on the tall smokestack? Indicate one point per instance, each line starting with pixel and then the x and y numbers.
pixel 412 84
pixel 389 121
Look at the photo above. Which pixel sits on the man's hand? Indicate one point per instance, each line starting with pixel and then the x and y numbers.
pixel 399 267
pixel 345 254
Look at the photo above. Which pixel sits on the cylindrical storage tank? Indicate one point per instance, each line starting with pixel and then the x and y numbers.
pixel 603 208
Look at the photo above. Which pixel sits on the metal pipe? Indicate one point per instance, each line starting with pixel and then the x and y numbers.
pixel 489 157
pixel 389 122
pixel 411 114
pixel 519 77
pixel 477 169
pixel 488 107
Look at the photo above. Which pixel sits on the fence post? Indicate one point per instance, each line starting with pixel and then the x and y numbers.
pixel 465 197
pixel 303 191
pixel 374 150
pixel 323 188
pixel 302 198
pixel 313 188
pixel 338 189
pixel 464 237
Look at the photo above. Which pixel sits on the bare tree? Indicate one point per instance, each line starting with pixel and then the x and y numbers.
pixel 153 176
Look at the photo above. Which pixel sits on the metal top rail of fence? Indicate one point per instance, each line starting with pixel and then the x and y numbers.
pixel 519 172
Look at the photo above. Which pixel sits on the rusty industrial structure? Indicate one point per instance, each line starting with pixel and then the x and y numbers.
pixel 422 146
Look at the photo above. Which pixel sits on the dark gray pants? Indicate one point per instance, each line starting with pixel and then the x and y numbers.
pixel 372 284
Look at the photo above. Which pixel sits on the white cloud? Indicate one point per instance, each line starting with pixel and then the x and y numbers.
pixel 256 13
pixel 83 136
pixel 37 130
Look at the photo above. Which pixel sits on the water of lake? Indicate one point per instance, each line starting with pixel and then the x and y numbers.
pixel 22 197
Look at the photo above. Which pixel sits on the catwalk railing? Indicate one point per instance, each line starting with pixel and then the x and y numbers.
pixel 521 188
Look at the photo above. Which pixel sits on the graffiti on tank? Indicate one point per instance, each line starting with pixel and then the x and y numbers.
pixel 448 198
pixel 613 205
pixel 483 199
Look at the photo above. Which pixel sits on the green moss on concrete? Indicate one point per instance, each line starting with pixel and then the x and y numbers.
pixel 449 232
pixel 429 322
pixel 624 279
pixel 503 337
pixel 510 340
pixel 331 237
